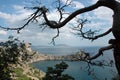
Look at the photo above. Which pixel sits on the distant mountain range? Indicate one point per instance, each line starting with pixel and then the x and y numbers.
pixel 57 45
pixel 62 45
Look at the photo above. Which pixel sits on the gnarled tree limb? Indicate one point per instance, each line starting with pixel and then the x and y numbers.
pixel 71 16
pixel 101 50
pixel 53 39
pixel 103 34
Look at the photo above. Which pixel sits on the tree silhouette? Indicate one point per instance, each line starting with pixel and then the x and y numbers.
pixel 114 5
pixel 10 53
pixel 56 73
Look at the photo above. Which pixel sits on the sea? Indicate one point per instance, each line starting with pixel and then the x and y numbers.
pixel 78 69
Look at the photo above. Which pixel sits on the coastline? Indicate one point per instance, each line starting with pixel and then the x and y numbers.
pixel 47 57
pixel 34 56
pixel 71 57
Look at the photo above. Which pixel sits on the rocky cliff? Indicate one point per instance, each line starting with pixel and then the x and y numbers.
pixel 72 57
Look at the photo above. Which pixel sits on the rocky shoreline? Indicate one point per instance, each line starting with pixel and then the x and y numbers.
pixel 71 57
pixel 33 56
pixel 36 56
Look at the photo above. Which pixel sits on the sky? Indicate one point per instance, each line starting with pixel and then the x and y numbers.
pixel 13 14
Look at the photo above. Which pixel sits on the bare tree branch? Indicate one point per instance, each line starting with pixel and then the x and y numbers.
pixel 71 16
pixel 90 34
pixel 53 39
pixel 101 50
pixel 61 8
pixel 31 18
pixel 103 34
pixel 90 63
pixel 41 11
pixel 87 34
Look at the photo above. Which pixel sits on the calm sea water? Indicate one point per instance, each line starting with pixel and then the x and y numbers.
pixel 77 69
pixel 64 50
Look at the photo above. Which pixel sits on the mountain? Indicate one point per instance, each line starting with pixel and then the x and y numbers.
pixel 62 45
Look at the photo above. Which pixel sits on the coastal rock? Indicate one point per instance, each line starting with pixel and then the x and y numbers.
pixel 72 57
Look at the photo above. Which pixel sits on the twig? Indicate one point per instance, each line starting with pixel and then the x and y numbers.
pixel 53 39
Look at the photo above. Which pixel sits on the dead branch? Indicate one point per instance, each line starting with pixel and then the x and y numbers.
pixel 42 12
pixel 90 34
pixel 90 63
pixel 71 16
pixel 101 50
pixel 89 60
pixel 60 8
pixel 31 18
pixel 57 35
pixel 54 24
pixel 103 34
pixel 79 30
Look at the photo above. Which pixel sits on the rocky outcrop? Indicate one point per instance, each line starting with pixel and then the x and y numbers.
pixel 72 57
pixel 35 56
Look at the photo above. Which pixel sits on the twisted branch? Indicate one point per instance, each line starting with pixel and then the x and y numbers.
pixel 42 11
pixel 31 18
pixel 57 35
pixel 100 52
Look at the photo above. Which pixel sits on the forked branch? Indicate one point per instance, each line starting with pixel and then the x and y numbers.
pixel 43 10
pixel 90 34
pixel 32 18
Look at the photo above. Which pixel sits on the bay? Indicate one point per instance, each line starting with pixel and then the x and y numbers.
pixel 77 69
pixel 63 50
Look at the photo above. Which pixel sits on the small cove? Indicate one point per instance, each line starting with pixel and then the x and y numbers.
pixel 77 69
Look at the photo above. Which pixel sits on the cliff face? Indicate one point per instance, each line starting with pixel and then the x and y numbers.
pixel 26 72
pixel 35 56
pixel 72 57
pixel 23 70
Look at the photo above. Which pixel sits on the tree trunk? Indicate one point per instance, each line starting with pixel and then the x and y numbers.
pixel 117 56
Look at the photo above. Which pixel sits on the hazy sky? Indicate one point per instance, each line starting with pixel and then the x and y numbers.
pixel 13 14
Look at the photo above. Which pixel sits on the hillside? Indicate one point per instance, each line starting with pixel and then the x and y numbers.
pixel 23 70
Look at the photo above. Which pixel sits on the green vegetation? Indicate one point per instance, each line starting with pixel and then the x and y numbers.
pixel 9 54
pixel 13 61
pixel 56 72
pixel 20 75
